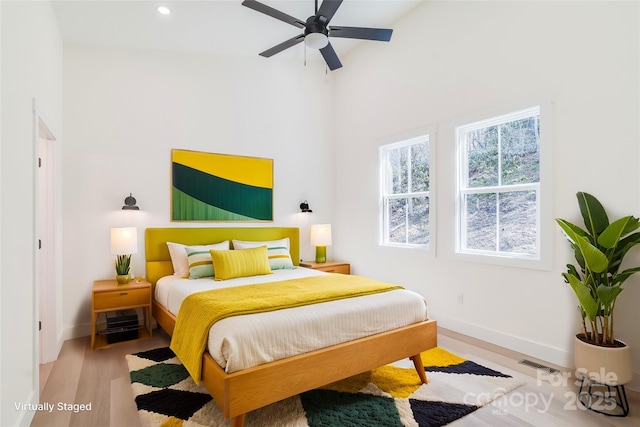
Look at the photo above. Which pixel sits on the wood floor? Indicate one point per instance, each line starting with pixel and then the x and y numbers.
pixel 100 378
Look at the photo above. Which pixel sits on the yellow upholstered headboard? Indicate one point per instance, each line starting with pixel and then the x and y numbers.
pixel 158 261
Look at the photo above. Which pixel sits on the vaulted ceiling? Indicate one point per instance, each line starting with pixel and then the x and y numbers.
pixel 222 27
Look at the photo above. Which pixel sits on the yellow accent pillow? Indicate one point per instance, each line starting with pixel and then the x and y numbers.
pixel 240 263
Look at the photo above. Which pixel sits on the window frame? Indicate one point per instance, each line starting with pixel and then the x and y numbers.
pixel 542 259
pixel 399 142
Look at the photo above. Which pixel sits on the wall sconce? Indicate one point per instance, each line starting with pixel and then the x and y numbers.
pixel 321 238
pixel 304 207
pixel 130 204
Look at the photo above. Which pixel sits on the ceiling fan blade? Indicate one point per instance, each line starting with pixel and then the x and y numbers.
pixel 330 57
pixel 267 10
pixel 282 46
pixel 328 9
pixel 378 34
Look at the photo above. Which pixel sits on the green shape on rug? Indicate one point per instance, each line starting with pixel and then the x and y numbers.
pixel 332 408
pixel 160 375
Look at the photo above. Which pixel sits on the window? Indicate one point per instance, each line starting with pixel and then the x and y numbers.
pixel 498 207
pixel 405 193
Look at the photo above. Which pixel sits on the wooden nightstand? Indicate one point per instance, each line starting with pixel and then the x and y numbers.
pixel 329 266
pixel 108 295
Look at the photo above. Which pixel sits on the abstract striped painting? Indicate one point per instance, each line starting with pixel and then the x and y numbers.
pixel 220 187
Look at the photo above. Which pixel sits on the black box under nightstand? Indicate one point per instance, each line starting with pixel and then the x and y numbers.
pixel 121 327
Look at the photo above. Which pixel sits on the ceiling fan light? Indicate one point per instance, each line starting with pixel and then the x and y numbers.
pixel 316 40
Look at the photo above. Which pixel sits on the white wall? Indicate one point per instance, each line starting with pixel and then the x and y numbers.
pixel 450 59
pixel 124 110
pixel 31 67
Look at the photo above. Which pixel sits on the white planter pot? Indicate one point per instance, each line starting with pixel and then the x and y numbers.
pixel 604 365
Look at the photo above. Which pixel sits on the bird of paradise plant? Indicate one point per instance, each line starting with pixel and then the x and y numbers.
pixel 599 250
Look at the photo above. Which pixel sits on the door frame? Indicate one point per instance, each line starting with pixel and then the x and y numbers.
pixel 46 298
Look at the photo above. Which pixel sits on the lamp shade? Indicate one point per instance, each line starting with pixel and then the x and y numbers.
pixel 124 241
pixel 321 235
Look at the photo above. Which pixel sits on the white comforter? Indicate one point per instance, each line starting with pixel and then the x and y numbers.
pixel 242 342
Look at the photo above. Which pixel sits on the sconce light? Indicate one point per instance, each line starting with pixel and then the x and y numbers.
pixel 304 207
pixel 321 238
pixel 130 203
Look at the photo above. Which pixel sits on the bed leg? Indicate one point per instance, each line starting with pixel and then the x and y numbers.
pixel 417 363
pixel 237 421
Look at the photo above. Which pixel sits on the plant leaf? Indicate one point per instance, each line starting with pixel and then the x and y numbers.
pixel 607 295
pixel 588 304
pixel 611 235
pixel 620 278
pixel 571 229
pixel 594 259
pixel 593 213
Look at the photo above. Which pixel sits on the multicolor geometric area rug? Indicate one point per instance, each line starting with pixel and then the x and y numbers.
pixel 390 396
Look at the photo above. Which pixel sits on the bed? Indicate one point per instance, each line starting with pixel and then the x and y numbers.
pixel 243 390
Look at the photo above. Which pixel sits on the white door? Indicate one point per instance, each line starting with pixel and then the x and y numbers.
pixel 46 244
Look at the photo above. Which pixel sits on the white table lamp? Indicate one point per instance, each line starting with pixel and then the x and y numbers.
pixel 124 242
pixel 321 238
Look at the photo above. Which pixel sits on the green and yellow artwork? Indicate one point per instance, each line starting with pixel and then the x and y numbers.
pixel 220 187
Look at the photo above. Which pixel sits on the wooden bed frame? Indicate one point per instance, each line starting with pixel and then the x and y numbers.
pixel 249 389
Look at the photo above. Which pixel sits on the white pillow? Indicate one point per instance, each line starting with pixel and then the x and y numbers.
pixel 277 251
pixel 179 259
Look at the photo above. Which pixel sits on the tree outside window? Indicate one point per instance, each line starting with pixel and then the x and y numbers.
pixel 405 193
pixel 499 185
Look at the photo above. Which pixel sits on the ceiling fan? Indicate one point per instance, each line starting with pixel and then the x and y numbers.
pixel 317 32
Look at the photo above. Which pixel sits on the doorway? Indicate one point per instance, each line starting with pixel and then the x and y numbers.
pixel 46 242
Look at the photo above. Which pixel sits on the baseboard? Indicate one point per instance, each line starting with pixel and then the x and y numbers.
pixel 84 330
pixel 25 417
pixel 76 331
pixel 540 351
pixel 59 342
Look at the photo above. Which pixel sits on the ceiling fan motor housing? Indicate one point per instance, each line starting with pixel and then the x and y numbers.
pixel 314 26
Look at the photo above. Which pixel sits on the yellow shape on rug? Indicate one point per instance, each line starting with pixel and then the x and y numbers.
pixel 172 422
pixel 397 382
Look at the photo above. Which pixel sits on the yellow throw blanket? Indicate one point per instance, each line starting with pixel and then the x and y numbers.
pixel 201 310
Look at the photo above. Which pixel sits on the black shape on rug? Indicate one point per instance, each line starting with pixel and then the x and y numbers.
pixel 467 367
pixel 157 355
pixel 436 414
pixel 176 403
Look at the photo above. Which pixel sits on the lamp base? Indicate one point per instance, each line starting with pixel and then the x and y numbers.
pixel 321 254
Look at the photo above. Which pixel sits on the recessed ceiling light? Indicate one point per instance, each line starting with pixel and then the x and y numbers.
pixel 164 10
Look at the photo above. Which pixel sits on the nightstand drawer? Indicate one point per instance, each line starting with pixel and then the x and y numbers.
pixel 340 268
pixel 114 299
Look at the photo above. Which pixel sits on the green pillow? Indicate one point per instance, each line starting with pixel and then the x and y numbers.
pixel 277 250
pixel 199 257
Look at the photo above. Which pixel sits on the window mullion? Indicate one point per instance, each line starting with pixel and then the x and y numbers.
pixel 497 247
pixel 497 221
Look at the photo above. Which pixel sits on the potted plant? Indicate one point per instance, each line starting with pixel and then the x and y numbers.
pixel 597 281
pixel 123 263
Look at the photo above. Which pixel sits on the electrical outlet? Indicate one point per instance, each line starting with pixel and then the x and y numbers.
pixel 460 298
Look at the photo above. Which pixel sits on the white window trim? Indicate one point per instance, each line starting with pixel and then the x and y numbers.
pixel 397 142
pixel 542 260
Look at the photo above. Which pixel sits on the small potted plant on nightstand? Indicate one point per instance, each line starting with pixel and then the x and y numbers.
pixel 599 250
pixel 123 263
